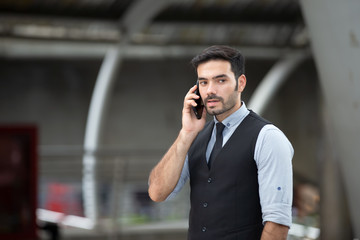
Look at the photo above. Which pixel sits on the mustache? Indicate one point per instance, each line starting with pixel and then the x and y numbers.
pixel 213 96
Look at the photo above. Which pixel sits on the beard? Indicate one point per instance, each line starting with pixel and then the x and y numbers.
pixel 226 106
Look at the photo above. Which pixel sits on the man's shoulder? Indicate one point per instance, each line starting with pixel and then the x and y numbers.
pixel 255 116
pixel 271 135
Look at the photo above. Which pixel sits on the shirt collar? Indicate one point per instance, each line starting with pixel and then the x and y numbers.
pixel 236 117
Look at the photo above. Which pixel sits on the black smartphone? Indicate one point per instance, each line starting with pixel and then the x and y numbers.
pixel 200 106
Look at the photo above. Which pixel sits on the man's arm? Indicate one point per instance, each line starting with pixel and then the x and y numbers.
pixel 164 177
pixel 273 154
pixel 274 231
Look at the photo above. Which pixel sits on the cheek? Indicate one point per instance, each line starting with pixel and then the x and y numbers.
pixel 227 92
pixel 203 92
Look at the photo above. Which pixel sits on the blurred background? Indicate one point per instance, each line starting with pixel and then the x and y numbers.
pixel 91 94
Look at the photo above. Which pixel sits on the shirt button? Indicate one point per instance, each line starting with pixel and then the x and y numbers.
pixel 203 229
pixel 209 180
pixel 205 204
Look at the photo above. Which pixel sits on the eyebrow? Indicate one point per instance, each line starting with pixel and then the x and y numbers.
pixel 216 77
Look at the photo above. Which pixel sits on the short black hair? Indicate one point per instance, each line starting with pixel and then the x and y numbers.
pixel 232 55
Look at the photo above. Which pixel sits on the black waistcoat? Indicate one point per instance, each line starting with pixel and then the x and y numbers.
pixel 225 202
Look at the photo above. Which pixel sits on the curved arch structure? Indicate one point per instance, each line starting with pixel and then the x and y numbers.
pixel 137 17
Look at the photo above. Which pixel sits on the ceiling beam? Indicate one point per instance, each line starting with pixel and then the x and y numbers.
pixel 26 48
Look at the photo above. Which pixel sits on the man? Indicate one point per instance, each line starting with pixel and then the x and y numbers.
pixel 245 190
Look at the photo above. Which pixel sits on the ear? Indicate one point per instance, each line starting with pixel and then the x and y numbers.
pixel 241 83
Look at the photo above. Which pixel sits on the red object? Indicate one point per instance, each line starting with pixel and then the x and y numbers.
pixel 62 198
pixel 18 182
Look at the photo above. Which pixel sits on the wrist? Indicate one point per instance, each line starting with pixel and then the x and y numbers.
pixel 187 136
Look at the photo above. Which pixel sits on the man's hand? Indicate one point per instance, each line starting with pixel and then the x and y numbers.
pixel 190 124
pixel 274 231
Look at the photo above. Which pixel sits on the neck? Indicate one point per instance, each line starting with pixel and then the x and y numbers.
pixel 224 115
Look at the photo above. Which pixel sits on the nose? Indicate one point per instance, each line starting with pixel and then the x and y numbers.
pixel 210 89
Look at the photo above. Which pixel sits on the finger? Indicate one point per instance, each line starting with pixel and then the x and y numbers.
pixel 190 102
pixel 192 96
pixel 192 90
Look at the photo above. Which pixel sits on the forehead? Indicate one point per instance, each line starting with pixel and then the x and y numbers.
pixel 213 68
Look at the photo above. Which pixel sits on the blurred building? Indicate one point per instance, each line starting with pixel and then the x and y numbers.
pixel 104 83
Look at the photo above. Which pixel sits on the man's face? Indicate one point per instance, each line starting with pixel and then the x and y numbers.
pixel 217 87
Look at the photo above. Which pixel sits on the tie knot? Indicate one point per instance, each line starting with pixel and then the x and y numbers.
pixel 219 128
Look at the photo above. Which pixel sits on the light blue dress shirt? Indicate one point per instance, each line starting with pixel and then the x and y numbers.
pixel 273 156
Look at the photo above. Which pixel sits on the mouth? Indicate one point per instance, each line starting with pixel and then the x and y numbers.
pixel 212 102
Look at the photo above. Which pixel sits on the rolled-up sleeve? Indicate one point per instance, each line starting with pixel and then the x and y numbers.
pixel 273 155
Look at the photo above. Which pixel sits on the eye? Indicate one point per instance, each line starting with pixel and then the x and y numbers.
pixel 221 80
pixel 202 83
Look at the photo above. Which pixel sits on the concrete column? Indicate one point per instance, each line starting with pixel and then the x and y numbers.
pixel 335 37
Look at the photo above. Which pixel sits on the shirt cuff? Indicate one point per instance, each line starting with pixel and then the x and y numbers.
pixel 277 213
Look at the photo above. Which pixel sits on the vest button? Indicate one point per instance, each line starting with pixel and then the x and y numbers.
pixel 203 229
pixel 205 204
pixel 209 180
